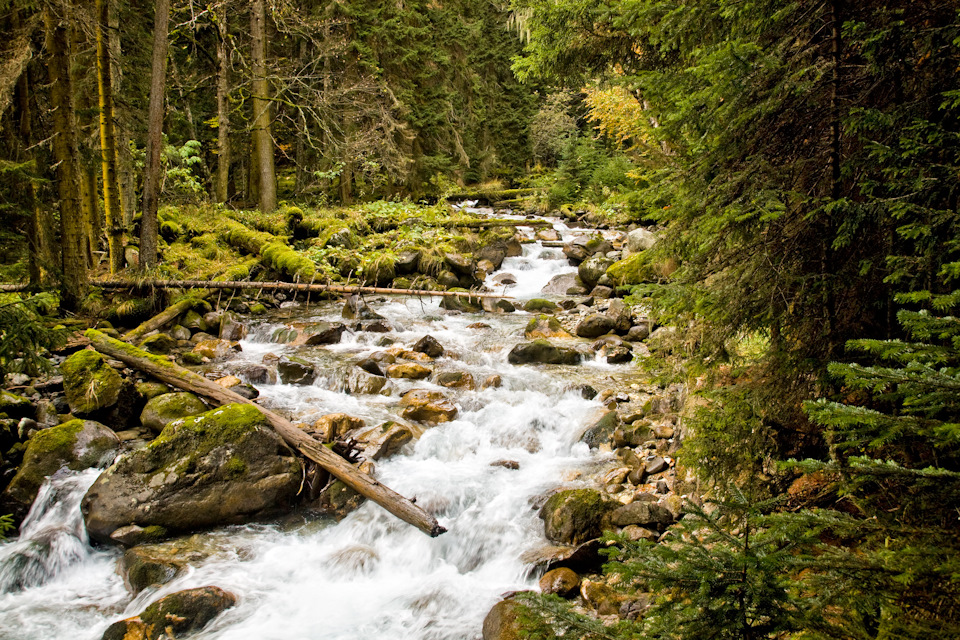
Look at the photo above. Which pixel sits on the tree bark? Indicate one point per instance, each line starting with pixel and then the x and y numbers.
pixel 113 217
pixel 74 280
pixel 223 112
pixel 263 140
pixel 151 174
pixel 307 446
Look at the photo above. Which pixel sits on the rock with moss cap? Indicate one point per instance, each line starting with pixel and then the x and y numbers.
pixel 166 408
pixel 90 383
pixel 504 621
pixel 15 406
pixel 220 467
pixel 542 351
pixel 174 615
pixel 544 326
pixel 77 444
pixel 575 515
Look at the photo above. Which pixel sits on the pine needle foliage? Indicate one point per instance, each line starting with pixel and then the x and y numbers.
pixel 26 334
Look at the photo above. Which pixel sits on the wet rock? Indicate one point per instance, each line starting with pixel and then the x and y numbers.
pixel 656 464
pixel 497 305
pixel 456 380
pixel 543 352
pixel 600 597
pixel 595 325
pixel 540 305
pixel 338 500
pixel 231 328
pixel 223 466
pixel 549 235
pixel 494 381
pixel 513 465
pixel 296 371
pixel 505 279
pixel 592 269
pixel 371 366
pixel 216 349
pixel 619 355
pixel 76 444
pixel 560 284
pixel 359 382
pixel 430 346
pixel 333 426
pixel 384 440
pixel 408 371
pixel 427 407
pixel 168 407
pixel 245 391
pixel 574 516
pixel 544 326
pixel 149 565
pixel 584 558
pixel 174 615
pixel 158 343
pixel 374 326
pixel 356 309
pixel 576 253
pixel 464 303
pixel 601 429
pixel 649 515
pixel 90 383
pixel 563 582
pixel 258 374
pixel 448 280
pixel 327 333
pixel 502 622
pixel 16 406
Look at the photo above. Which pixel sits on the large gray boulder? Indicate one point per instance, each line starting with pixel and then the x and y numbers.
pixel 592 269
pixel 221 467
pixel 575 515
pixel 542 352
pixel 639 240
pixel 175 615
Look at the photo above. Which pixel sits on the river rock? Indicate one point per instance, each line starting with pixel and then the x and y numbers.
pixel 223 466
pixel 465 303
pixel 600 597
pixel 540 305
pixel 576 253
pixel 359 382
pixel 649 515
pixel 384 440
pixel 371 366
pixel 601 429
pixel 560 284
pixel 158 344
pixel 456 380
pixel 448 279
pixel 542 351
pixel 621 315
pixel 563 582
pixel 502 622
pixel 194 321
pixel 327 333
pixel 231 328
pixel 296 371
pixel 15 406
pixel 174 615
pixel 461 264
pixel 258 374
pixel 505 279
pixel 639 240
pixel 216 349
pixel 406 262
pixel 574 516
pixel 163 409
pixel 333 426
pixel 427 407
pixel 76 445
pixel 592 269
pixel 356 309
pixel 430 346
pixel 408 371
pixel 149 565
pixel 619 355
pixel 544 326
pixel 638 332
pixel 595 325
pixel 90 383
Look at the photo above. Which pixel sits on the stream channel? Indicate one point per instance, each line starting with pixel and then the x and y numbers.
pixel 369 575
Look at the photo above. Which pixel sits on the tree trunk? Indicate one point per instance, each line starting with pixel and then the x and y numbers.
pixel 151 174
pixel 262 138
pixel 125 179
pixel 113 217
pixel 223 113
pixel 165 316
pixel 307 446
pixel 90 210
pixel 74 281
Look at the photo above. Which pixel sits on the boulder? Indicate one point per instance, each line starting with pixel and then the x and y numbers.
pixel 223 466
pixel 497 305
pixel 563 582
pixel 428 407
pixel 408 371
pixel 258 374
pixel 543 352
pixel 179 332
pixel 574 516
pixel 576 253
pixel 430 346
pixel 384 440
pixel 619 355
pixel 639 240
pixel 503 621
pixel 150 565
pixel 166 408
pixel 327 333
pixel 216 349
pixel 460 264
pixel 601 429
pixel 231 328
pixel 592 269
pixel 158 343
pixel 540 305
pixel 560 284
pixel 406 262
pixel 359 382
pixel 194 321
pixel 621 315
pixel 174 615
pixel 371 366
pixel 356 309
pixel 505 279
pixel 76 445
pixel 456 380
pixel 648 515
pixel 465 303
pixel 15 406
pixel 448 280
pixel 638 332
pixel 544 326
pixel 296 371
pixel 595 325
pixel 333 426
pixel 90 383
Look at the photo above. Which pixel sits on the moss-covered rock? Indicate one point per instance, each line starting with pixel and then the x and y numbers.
pixel 575 515
pixel 150 390
pixel 15 406
pixel 168 407
pixel 174 615
pixel 544 326
pixel 223 466
pixel 465 303
pixel 148 565
pixel 540 305
pixel 592 269
pixel 338 500
pixel 90 383
pixel 77 444
pixel 503 621
pixel 159 343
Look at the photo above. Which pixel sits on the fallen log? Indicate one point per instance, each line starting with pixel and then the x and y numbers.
pixel 279 286
pixel 168 372
pixel 492 222
pixel 164 316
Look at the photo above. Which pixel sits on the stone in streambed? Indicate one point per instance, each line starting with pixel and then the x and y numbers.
pixel 408 371
pixel 90 383
pixel 427 407
pixel 595 325
pixel 360 382
pixel 575 515
pixel 544 326
pixel 542 352
pixel 166 408
pixel 384 440
pixel 15 406
pixel 333 426
pixel 503 621
pixel 174 615
pixel 430 346
pixel 223 466
pixel 296 371
pixel 563 582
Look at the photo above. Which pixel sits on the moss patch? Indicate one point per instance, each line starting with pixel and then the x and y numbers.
pixel 89 382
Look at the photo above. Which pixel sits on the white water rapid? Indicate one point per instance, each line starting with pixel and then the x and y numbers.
pixel 369 576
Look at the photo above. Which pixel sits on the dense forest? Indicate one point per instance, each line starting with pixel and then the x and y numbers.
pixel 799 161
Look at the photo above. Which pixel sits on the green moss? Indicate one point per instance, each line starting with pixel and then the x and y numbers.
pixel 191 358
pixel 236 467
pixel 89 382
pixel 538 305
pixel 258 309
pixel 630 271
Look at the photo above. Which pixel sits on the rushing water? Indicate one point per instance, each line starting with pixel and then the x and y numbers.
pixel 369 576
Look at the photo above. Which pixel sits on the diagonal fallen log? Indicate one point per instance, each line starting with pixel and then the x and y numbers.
pixel 165 316
pixel 360 482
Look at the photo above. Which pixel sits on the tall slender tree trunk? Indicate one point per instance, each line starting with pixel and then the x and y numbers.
pixel 125 178
pixel 74 281
pixel 263 140
pixel 90 208
pixel 151 174
pixel 223 112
